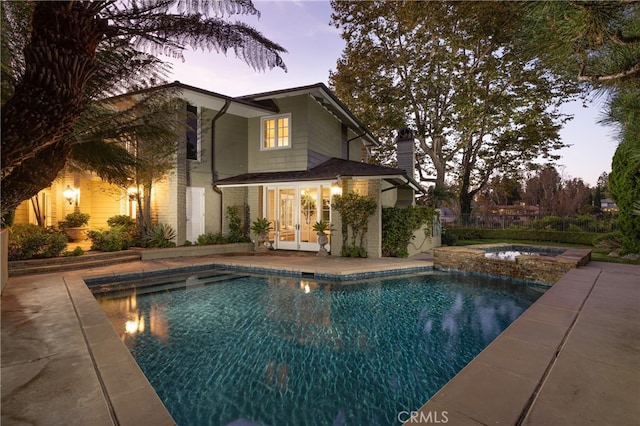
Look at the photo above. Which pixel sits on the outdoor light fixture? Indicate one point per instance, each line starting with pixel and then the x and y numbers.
pixel 69 194
pixel 132 191
pixel 336 189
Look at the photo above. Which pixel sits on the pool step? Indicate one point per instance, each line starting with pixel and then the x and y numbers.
pixel 63 264
pixel 159 283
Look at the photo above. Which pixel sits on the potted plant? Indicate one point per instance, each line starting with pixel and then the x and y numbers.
pixel 321 228
pixel 261 228
pixel 75 226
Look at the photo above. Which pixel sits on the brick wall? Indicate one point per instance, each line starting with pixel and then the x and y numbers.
pixel 232 197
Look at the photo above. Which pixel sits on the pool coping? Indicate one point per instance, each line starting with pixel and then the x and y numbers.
pixel 128 398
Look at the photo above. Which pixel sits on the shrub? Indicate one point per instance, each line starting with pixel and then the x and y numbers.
pixel 27 241
pixel 353 251
pixel 113 239
pixel 449 238
pixel 584 238
pixel 126 224
pixel 355 211
pixel 159 235
pixel 399 225
pixel 611 241
pixel 624 184
pixel 74 220
pixel 76 252
pixel 236 232
pixel 211 238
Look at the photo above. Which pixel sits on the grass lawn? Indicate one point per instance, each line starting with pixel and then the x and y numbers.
pixel 598 253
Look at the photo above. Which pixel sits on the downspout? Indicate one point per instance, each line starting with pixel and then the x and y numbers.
pixel 220 113
pixel 352 139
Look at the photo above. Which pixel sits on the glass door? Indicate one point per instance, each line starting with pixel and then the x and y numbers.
pixel 309 209
pixel 286 225
pixel 293 210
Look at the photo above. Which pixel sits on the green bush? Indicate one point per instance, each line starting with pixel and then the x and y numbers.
pixel 236 231
pixel 399 225
pixel 624 184
pixel 126 224
pixel 114 239
pixel 159 235
pixel 74 220
pixel 353 251
pixel 584 238
pixel 610 241
pixel 211 238
pixel 355 211
pixel 448 238
pixel 75 252
pixel 28 241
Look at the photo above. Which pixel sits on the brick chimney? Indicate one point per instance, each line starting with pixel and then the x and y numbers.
pixel 406 159
pixel 406 151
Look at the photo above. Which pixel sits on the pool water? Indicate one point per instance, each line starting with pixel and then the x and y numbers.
pixel 285 351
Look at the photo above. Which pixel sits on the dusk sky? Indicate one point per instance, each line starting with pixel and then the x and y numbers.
pixel 314 46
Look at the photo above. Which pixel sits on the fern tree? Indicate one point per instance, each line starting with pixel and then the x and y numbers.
pixel 59 56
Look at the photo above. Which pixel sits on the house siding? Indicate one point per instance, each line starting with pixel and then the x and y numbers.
pixel 231 150
pixel 273 160
pixel 106 201
pixel 325 133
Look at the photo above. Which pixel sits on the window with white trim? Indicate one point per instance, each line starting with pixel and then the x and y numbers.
pixel 193 146
pixel 276 132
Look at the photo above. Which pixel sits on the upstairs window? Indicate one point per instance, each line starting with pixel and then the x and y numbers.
pixel 276 132
pixel 192 132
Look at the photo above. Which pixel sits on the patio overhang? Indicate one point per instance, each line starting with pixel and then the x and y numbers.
pixel 330 171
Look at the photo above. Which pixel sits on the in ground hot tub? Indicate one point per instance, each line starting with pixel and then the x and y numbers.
pixel 540 264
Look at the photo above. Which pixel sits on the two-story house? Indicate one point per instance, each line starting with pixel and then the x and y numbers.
pixel 284 154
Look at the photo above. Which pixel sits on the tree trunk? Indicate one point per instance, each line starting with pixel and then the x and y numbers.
pixel 33 174
pixel 49 98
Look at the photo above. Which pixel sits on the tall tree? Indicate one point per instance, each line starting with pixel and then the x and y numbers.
pixel 542 190
pixel 595 42
pixel 573 197
pixel 454 73
pixel 598 44
pixel 73 45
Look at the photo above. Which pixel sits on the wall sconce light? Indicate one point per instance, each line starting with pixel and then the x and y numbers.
pixel 336 189
pixel 132 191
pixel 69 194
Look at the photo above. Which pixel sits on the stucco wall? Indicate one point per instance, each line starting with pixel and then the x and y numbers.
pixel 424 240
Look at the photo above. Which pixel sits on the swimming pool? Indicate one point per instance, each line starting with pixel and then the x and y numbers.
pixel 289 351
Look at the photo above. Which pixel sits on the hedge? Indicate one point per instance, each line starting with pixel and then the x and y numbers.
pixel 584 238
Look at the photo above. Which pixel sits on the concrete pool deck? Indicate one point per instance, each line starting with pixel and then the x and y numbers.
pixel 572 358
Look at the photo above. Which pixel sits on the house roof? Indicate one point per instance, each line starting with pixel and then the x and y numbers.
pixel 332 169
pixel 260 103
pixel 323 95
pixel 237 106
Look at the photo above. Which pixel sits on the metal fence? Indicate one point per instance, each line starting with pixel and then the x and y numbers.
pixel 584 223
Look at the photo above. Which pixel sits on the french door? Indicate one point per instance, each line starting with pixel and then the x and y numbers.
pixel 293 210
